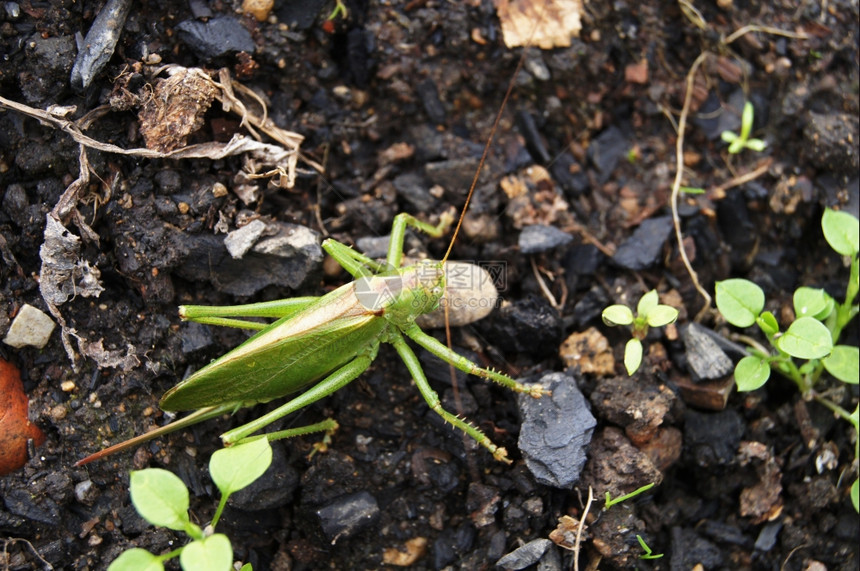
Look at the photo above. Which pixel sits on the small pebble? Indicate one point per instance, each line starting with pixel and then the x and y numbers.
pixel 413 550
pixel 347 515
pixel 643 248
pixel 85 492
pixel 219 190
pixel 555 432
pixel 58 412
pixel 540 238
pixel 30 327
pixel 258 8
pixel 522 557
pixel 216 37
pixel 239 241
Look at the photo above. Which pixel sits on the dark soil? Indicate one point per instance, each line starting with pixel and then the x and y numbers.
pixel 746 487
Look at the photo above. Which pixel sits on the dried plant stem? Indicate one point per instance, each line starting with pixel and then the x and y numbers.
pixel 676 184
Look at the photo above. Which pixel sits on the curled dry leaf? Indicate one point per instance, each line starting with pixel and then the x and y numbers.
pixel 176 108
pixel 547 24
pixel 15 425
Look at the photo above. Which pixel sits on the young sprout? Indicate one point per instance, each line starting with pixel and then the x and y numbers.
pixel 649 313
pixel 161 498
pixel 610 501
pixel 339 10
pixel 648 553
pixel 810 344
pixel 738 143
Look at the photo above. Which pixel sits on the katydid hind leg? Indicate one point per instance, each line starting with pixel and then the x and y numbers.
pixel 330 384
pixel 435 404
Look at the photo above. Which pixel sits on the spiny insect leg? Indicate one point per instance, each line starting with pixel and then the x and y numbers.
pixel 440 350
pixel 432 399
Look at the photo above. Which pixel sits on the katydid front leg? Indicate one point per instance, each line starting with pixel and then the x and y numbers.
pixel 398 233
pixel 357 264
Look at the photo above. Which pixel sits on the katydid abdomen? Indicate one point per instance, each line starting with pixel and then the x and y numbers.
pixel 284 358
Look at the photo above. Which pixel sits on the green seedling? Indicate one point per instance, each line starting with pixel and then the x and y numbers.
pixel 339 10
pixel 810 345
pixel 648 553
pixel 611 502
pixel 320 344
pixel 161 498
pixel 739 142
pixel 649 313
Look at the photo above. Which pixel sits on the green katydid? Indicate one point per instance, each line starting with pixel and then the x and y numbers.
pixel 320 344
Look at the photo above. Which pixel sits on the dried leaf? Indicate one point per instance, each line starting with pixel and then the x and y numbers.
pixel 544 23
pixel 175 109
pixel 64 274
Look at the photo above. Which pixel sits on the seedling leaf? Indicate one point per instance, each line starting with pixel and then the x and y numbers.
pixel 747 118
pixel 647 303
pixel 806 338
pixel 617 315
pixel 662 315
pixel 213 552
pixel 844 363
pixel 751 373
pixel 740 301
pixel 632 355
pixel 236 467
pixel 756 145
pixel 812 302
pixel 648 553
pixel 767 322
pixel 841 232
pixel 729 137
pixel 160 498
pixel 136 559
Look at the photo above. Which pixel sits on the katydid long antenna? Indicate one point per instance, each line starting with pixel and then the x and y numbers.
pixel 473 469
pixel 485 153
